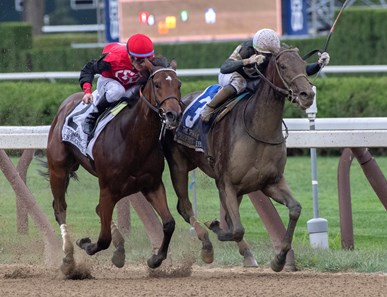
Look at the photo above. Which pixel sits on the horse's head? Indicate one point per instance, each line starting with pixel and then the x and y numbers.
pixel 162 91
pixel 292 79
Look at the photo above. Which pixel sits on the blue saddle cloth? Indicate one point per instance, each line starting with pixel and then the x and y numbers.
pixel 192 132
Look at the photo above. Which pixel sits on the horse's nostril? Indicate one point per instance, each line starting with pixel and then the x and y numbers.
pixel 170 116
pixel 304 95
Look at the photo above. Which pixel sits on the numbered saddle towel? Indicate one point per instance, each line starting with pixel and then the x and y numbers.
pixel 72 129
pixel 190 131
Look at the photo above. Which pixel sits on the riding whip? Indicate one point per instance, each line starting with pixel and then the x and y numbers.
pixel 334 23
pixel 329 35
pixel 328 39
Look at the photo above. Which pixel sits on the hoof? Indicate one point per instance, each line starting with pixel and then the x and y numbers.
pixel 211 224
pixel 118 258
pixel 82 242
pixel 154 261
pixel 250 262
pixel 207 255
pixel 277 266
pixel 68 265
pixel 290 268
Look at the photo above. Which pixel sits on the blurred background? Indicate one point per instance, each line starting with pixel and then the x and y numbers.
pixel 176 20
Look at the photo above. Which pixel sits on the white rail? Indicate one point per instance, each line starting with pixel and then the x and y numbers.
pixel 329 133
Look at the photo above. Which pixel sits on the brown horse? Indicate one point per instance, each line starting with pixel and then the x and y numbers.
pixel 247 153
pixel 128 158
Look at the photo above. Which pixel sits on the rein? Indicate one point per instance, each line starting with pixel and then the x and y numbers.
pixel 259 139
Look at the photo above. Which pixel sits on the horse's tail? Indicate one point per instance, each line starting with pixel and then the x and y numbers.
pixel 45 174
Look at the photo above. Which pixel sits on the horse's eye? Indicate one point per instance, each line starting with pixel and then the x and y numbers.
pixel 282 66
pixel 157 85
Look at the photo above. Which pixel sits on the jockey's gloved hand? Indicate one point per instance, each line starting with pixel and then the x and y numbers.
pixel 323 59
pixel 87 98
pixel 254 59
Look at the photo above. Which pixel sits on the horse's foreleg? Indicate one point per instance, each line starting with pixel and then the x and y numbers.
pixel 68 262
pixel 281 193
pixel 244 248
pixel 105 211
pixel 233 229
pixel 248 258
pixel 230 202
pixel 59 182
pixel 158 200
pixel 118 258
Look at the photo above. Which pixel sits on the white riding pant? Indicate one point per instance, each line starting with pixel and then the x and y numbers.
pixel 234 79
pixel 113 89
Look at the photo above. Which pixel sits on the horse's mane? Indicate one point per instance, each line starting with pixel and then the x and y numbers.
pixel 284 46
pixel 277 50
pixel 159 60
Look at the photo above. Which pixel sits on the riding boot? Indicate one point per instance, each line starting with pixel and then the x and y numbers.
pixel 133 96
pixel 91 119
pixel 221 97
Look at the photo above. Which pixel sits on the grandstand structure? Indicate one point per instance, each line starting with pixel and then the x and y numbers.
pixel 321 13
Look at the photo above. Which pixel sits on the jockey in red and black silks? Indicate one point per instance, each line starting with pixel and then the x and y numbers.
pixel 121 75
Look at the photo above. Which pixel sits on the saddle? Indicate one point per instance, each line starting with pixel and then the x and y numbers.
pixel 221 111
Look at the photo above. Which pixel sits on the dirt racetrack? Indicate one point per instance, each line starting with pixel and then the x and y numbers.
pixel 25 280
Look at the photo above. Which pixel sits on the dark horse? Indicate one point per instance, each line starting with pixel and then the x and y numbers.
pixel 128 158
pixel 247 153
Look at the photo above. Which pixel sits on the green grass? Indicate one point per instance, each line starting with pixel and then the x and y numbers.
pixel 369 220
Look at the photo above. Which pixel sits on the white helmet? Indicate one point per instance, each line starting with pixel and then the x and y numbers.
pixel 266 39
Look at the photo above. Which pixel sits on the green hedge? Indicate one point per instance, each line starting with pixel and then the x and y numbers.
pixel 15 41
pixel 35 103
pixel 15 36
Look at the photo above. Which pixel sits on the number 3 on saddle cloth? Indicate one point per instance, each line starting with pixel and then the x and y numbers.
pixel 72 131
pixel 193 132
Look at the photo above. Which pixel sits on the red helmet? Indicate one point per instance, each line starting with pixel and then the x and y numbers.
pixel 140 46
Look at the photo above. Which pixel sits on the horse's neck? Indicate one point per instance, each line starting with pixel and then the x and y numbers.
pixel 143 121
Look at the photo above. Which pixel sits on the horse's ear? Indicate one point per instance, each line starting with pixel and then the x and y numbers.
pixel 173 64
pixel 148 65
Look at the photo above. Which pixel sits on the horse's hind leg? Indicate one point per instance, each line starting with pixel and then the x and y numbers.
pixel 281 193
pixel 179 176
pixel 118 258
pixel 158 200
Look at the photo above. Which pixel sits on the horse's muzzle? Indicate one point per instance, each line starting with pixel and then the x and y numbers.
pixel 305 99
pixel 172 119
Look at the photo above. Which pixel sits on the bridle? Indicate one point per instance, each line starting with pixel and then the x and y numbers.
pixel 286 91
pixel 157 108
